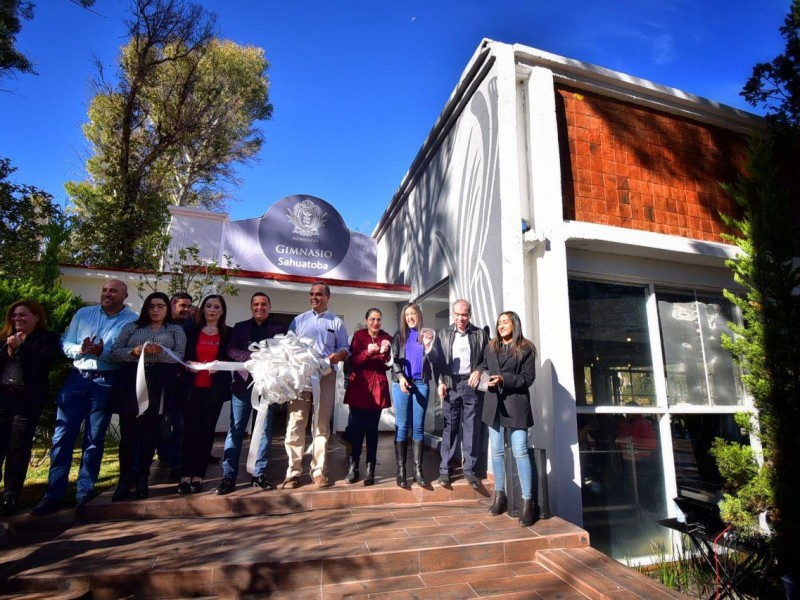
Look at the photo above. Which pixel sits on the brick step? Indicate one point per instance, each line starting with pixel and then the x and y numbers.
pixel 249 501
pixel 311 553
pixel 85 595
pixel 526 580
pixel 601 577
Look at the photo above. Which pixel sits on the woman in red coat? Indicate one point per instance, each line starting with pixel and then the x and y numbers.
pixel 367 391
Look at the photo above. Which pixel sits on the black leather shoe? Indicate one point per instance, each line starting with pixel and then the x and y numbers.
pixel 46 507
pixel 9 507
pixel 473 481
pixel 417 448
pixel 400 452
pixel 196 487
pixel 444 480
pixel 352 474
pixel 262 482
pixel 184 488
pixel 369 478
pixel 530 513
pixel 226 486
pixel 499 505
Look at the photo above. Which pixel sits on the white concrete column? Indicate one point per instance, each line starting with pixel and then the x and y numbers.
pixel 515 287
pixel 548 300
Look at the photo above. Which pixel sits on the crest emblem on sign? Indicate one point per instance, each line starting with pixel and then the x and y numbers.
pixel 307 218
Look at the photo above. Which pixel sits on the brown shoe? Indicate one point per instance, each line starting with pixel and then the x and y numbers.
pixel 290 483
pixel 321 481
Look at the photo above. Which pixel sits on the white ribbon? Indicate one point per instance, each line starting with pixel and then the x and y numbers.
pixel 283 368
pixel 142 397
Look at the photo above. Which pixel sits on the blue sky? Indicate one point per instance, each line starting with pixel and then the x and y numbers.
pixel 357 85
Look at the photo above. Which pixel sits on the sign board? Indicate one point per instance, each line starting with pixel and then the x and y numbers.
pixel 301 235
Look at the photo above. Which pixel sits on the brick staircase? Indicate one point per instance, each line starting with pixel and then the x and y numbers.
pixel 340 542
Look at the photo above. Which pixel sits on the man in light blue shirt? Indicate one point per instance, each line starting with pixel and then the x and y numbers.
pixel 330 340
pixel 82 400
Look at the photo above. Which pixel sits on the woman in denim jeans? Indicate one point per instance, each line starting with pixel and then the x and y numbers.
pixel 510 361
pixel 411 372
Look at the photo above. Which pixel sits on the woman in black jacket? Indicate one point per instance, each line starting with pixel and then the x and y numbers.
pixel 27 354
pixel 139 432
pixel 510 361
pixel 204 392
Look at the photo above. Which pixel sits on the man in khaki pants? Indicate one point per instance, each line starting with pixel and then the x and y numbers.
pixel 330 340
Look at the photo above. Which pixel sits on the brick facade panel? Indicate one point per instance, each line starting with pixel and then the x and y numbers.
pixel 638 168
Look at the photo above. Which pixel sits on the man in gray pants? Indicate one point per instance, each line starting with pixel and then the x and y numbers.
pixel 456 355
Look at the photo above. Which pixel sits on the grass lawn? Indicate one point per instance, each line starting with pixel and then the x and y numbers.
pixel 36 482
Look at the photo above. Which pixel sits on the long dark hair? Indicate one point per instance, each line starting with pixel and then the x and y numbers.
pixel 144 315
pixel 518 342
pixel 200 317
pixel 404 330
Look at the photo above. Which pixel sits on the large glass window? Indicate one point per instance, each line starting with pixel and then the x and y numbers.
pixel 623 483
pixel 700 372
pixel 695 469
pixel 610 344
pixel 623 470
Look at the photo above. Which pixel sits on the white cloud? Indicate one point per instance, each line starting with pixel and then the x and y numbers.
pixel 662 49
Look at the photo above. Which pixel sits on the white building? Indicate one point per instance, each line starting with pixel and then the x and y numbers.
pixel 585 200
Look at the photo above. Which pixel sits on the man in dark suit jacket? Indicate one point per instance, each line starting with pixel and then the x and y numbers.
pixel 456 355
pixel 244 333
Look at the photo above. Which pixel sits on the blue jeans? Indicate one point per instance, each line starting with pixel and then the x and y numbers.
pixel 519 447
pixel 241 408
pixel 410 407
pixel 82 401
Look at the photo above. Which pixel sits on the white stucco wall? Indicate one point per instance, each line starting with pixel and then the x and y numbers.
pixel 555 428
pixel 190 226
pixel 448 224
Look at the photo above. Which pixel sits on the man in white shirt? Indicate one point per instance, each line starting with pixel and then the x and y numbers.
pixel 330 341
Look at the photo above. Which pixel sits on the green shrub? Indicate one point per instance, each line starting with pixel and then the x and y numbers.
pixel 748 492
pixel 736 462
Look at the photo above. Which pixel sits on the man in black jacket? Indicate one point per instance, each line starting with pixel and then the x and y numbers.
pixel 254 330
pixel 456 355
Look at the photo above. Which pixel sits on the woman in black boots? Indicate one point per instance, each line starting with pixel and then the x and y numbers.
pixel 367 392
pixel 411 372
pixel 509 360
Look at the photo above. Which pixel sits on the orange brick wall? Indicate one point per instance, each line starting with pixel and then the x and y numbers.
pixel 635 167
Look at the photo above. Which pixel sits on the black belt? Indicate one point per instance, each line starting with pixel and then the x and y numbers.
pixel 460 377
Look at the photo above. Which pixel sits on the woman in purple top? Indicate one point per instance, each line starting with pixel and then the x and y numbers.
pixel 411 372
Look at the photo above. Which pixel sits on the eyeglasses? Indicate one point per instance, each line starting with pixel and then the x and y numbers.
pixel 156 306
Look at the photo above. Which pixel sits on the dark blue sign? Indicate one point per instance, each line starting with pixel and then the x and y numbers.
pixel 303 235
